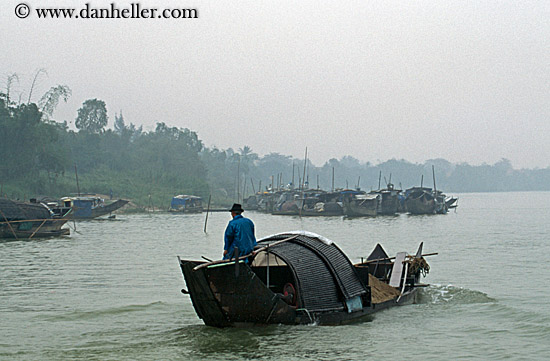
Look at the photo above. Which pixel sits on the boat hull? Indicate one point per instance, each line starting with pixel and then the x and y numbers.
pixel 360 208
pixel 233 296
pixel 41 228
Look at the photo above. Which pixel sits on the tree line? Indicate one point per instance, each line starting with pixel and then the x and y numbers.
pixel 42 157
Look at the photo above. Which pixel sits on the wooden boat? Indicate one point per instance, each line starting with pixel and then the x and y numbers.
pixel 310 203
pixel 29 220
pixel 300 278
pixel 420 200
pixel 186 204
pixel 451 202
pixel 361 205
pixel 85 207
pixel 388 200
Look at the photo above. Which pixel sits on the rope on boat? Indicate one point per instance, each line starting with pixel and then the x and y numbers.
pixel 419 265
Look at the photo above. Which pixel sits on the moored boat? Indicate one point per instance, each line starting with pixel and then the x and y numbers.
pixel 85 207
pixel 360 204
pixel 300 278
pixel 29 220
pixel 420 200
pixel 388 200
pixel 186 204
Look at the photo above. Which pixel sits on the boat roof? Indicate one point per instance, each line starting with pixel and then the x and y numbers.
pixel 324 275
pixel 185 196
pixel 81 198
pixel 367 196
pixel 14 210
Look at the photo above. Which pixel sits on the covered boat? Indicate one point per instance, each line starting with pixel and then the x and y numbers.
pixel 186 204
pixel 420 200
pixel 296 278
pixel 361 204
pixel 28 220
pixel 388 200
pixel 85 207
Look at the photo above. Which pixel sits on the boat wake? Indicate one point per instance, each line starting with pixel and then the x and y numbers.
pixel 449 294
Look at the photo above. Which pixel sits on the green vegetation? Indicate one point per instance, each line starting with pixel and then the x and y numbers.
pixel 40 156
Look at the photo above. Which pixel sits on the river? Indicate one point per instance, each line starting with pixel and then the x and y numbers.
pixel 111 290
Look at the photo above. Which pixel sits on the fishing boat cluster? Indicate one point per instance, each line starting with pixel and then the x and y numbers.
pixel 351 202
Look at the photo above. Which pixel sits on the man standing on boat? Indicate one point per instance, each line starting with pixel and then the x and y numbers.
pixel 239 233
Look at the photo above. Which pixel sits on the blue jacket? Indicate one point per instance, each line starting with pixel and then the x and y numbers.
pixel 239 233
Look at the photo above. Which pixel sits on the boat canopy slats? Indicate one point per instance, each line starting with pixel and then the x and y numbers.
pixel 339 263
pixel 314 281
pixel 20 211
pixel 324 273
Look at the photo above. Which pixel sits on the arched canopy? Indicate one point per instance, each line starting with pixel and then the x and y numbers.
pixel 325 277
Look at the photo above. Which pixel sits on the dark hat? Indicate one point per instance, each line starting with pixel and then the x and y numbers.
pixel 236 208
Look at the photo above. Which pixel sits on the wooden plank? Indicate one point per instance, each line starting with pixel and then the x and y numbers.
pixel 395 278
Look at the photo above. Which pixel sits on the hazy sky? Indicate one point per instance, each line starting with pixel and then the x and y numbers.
pixel 468 81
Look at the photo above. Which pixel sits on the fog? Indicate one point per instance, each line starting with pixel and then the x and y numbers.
pixel 467 81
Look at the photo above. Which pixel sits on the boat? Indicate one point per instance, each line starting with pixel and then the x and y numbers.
pixel 360 204
pixel 186 204
pixel 388 200
pixel 451 202
pixel 29 220
pixel 300 278
pixel 85 207
pixel 310 203
pixel 420 200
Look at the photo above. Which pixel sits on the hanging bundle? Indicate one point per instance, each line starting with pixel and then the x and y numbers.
pixel 419 265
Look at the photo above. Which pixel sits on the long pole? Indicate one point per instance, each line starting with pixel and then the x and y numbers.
pixel 9 225
pixel 292 174
pixel 303 183
pixel 252 182
pixel 422 181
pixel 207 211
pixel 238 180
pixel 433 173
pixel 379 179
pixel 77 185
pixel 305 164
pixel 41 224
pixel 332 189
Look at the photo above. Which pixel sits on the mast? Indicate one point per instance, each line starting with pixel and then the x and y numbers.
pixel 238 179
pixel 303 183
pixel 292 174
pixel 332 189
pixel 433 173
pixel 77 185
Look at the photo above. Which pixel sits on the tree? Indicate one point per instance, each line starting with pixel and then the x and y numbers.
pixel 49 101
pixel 120 126
pixel 92 116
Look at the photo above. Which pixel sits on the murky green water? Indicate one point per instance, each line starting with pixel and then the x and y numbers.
pixel 112 290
